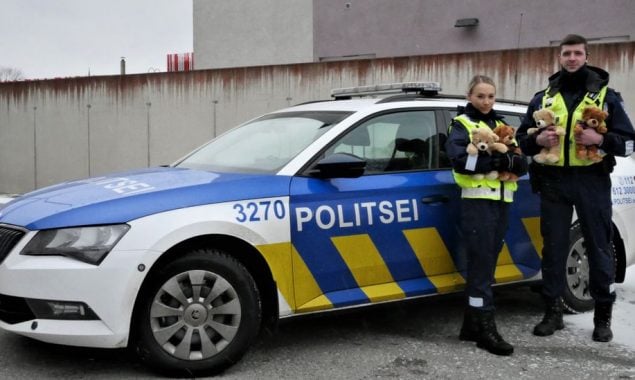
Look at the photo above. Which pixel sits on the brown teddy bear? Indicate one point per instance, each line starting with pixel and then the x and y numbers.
pixel 484 140
pixel 592 117
pixel 506 136
pixel 546 118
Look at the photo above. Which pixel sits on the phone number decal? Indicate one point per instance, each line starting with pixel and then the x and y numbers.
pixel 623 191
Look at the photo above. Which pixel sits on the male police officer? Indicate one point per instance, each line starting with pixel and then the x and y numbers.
pixel 574 182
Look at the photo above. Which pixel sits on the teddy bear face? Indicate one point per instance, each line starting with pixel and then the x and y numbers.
pixel 594 116
pixel 505 134
pixel 544 117
pixel 482 138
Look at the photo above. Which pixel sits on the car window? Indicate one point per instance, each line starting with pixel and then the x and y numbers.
pixel 263 145
pixel 398 141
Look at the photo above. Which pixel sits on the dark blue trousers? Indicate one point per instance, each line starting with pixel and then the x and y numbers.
pixel 589 193
pixel 483 225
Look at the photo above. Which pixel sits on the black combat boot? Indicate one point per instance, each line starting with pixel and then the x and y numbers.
pixel 489 338
pixel 552 320
pixel 602 322
pixel 469 330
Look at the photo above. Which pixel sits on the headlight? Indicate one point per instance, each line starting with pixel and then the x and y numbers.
pixel 87 244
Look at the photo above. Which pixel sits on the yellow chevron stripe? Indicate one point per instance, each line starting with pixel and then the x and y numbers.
pixel 532 225
pixel 434 258
pixel 316 304
pixel 280 262
pixel 383 292
pixel 506 269
pixel 308 295
pixel 367 266
pixel 446 283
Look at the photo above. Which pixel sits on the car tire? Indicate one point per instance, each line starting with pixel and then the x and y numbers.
pixel 186 329
pixel 577 296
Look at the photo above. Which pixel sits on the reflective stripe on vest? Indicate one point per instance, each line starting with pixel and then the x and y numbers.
pixel 486 193
pixel 557 104
pixel 482 188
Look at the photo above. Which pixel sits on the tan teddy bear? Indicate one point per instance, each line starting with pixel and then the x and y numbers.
pixel 592 117
pixel 506 136
pixel 484 140
pixel 546 118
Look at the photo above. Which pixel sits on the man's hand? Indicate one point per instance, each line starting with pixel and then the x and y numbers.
pixel 548 137
pixel 589 136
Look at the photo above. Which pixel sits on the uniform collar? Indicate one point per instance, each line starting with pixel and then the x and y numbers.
pixel 588 78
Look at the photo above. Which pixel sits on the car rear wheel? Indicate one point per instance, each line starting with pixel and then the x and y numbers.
pixel 577 295
pixel 198 315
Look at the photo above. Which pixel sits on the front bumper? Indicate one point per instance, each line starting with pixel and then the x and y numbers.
pixel 109 289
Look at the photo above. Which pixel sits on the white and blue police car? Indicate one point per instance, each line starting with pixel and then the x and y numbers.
pixel 316 207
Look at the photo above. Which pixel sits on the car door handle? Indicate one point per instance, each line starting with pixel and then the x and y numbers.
pixel 439 198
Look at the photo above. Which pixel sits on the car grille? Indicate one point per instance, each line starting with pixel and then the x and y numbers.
pixel 14 310
pixel 9 237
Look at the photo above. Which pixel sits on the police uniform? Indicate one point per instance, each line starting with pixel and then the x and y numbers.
pixel 573 182
pixel 484 218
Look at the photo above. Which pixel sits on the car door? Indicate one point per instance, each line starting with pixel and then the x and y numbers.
pixel 387 234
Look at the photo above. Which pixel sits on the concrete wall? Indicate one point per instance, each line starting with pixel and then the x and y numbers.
pixel 63 129
pixel 252 32
pixel 242 33
pixel 383 28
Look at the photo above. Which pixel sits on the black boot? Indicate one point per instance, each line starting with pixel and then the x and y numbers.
pixel 552 320
pixel 489 338
pixel 602 322
pixel 469 330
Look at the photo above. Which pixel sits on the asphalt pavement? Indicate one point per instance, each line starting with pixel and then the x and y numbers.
pixel 409 340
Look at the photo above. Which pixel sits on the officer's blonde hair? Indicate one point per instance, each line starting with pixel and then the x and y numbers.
pixel 478 79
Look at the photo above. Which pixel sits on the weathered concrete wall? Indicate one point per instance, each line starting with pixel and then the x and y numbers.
pixel 421 27
pixel 64 129
pixel 264 32
pixel 252 32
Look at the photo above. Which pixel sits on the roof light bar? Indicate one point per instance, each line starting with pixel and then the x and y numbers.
pixel 388 88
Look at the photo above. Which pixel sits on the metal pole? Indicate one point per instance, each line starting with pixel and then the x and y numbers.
pixel 520 28
pixel 148 105
pixel 34 148
pixel 88 136
pixel 214 103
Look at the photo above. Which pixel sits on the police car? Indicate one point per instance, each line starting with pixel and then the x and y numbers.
pixel 316 207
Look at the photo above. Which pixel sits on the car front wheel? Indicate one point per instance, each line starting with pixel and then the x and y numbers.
pixel 198 314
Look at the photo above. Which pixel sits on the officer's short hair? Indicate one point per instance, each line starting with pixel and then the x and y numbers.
pixel 574 39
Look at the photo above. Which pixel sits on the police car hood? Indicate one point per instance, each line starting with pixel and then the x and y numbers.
pixel 122 197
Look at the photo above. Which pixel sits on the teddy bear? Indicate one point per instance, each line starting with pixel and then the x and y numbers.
pixel 506 136
pixel 592 117
pixel 484 140
pixel 546 118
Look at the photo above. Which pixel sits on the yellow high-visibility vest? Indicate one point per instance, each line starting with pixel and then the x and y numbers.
pixel 557 104
pixel 493 189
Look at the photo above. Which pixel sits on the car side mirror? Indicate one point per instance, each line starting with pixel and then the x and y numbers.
pixel 339 165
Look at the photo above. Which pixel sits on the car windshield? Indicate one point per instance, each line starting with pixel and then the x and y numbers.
pixel 263 145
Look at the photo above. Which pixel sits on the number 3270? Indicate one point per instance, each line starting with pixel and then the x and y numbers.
pixel 260 211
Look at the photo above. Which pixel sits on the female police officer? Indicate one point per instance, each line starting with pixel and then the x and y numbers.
pixel 484 212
